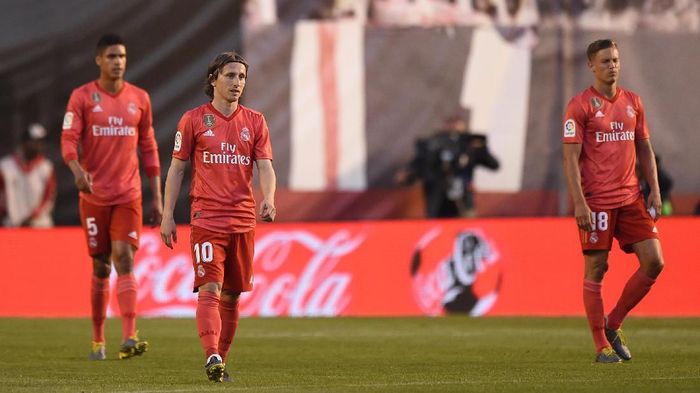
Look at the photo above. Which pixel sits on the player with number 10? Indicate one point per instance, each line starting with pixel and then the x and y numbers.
pixel 222 139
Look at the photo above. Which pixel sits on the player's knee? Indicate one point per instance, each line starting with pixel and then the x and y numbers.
pixel 655 267
pixel 101 266
pixel 230 297
pixel 124 262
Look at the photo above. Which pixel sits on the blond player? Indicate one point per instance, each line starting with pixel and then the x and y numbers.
pixel 604 133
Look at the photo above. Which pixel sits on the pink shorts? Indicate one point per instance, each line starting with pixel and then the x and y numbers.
pixel 223 257
pixel 628 224
pixel 105 224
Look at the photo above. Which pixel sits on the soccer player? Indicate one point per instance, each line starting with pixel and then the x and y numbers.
pixel 105 121
pixel 222 139
pixel 605 131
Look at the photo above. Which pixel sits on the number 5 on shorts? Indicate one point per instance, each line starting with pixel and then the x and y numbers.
pixel 599 221
pixel 91 226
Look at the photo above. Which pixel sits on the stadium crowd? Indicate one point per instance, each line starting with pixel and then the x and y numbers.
pixel 612 15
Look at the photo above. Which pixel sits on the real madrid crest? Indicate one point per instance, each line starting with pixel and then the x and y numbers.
pixel 594 238
pixel 631 112
pixel 131 108
pixel 96 97
pixel 595 101
pixel 245 134
pixel 208 120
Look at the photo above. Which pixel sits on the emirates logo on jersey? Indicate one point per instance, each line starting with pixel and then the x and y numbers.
pixel 245 134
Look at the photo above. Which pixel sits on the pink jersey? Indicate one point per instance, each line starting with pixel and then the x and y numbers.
pixel 108 128
pixel 607 130
pixel 222 150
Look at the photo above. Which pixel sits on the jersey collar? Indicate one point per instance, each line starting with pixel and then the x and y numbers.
pixel 221 115
pixel 610 100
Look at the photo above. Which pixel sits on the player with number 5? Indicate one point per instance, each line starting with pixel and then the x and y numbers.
pixel 604 133
pixel 106 120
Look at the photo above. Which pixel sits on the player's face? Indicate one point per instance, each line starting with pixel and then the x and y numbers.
pixel 112 62
pixel 230 82
pixel 606 65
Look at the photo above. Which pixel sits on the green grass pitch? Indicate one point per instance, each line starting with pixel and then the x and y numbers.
pixel 451 354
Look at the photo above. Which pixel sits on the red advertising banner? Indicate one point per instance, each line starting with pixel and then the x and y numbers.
pixel 478 267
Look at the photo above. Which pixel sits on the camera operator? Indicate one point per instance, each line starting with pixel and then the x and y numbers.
pixel 445 163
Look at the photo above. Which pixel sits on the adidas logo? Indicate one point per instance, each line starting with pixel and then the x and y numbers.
pixel 133 235
pixel 209 133
pixel 599 114
pixel 97 108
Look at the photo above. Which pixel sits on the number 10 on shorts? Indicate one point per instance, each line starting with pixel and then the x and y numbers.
pixel 599 221
pixel 204 252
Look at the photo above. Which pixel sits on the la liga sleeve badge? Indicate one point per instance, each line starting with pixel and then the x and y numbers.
pixel 178 141
pixel 569 128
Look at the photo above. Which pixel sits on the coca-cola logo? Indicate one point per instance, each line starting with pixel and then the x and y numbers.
pixel 297 273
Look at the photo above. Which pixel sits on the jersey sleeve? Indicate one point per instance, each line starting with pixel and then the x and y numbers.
pixel 184 139
pixel 147 140
pixel 641 131
pixel 574 123
pixel 73 123
pixel 262 150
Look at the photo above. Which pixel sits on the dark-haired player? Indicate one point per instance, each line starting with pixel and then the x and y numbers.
pixel 105 122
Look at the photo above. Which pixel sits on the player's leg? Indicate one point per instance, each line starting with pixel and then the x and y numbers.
pixel 127 292
pixel 95 222
pixel 636 232
pixel 228 309
pixel 125 233
pixel 595 266
pixel 596 245
pixel 208 255
pixel 651 263
pixel 238 277
pixel 99 300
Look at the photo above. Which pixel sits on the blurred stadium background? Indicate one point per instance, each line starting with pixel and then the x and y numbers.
pixel 347 87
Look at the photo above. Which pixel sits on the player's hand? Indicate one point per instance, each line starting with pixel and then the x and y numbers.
pixel 83 180
pixel 583 217
pixel 654 202
pixel 267 211
pixel 156 212
pixel 168 231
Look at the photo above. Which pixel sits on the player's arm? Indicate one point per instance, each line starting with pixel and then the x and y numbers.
pixel 268 184
pixel 151 161
pixel 572 170
pixel 70 139
pixel 173 183
pixel 647 163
